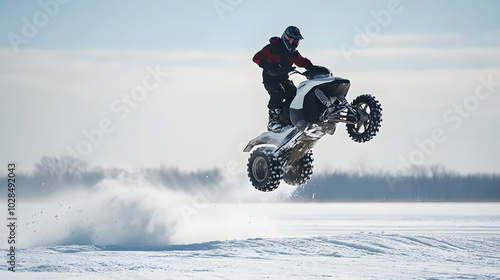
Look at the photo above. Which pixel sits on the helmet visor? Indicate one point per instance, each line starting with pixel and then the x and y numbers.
pixel 293 42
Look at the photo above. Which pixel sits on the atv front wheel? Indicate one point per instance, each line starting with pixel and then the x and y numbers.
pixel 369 117
pixel 300 172
pixel 265 169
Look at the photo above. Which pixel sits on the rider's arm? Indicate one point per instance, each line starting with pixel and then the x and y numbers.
pixel 302 62
pixel 265 60
pixel 261 57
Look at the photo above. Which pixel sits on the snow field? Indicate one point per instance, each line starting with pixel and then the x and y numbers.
pixel 345 256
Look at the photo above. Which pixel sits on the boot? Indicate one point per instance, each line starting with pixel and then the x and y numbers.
pixel 274 120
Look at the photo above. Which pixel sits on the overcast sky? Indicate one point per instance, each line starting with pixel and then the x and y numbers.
pixel 148 83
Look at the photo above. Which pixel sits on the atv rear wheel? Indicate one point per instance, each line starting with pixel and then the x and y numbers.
pixel 300 172
pixel 369 117
pixel 265 169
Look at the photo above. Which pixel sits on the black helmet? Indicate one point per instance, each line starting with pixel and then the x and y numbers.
pixel 291 37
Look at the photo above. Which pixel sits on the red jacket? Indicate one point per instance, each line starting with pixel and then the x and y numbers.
pixel 276 55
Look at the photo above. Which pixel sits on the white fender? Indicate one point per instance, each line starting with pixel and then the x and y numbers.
pixel 305 87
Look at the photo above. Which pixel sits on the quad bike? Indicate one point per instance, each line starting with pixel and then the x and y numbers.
pixel 318 106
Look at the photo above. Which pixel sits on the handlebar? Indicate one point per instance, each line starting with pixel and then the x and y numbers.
pixel 281 71
pixel 292 70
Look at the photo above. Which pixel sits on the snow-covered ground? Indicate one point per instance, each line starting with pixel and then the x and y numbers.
pixel 261 241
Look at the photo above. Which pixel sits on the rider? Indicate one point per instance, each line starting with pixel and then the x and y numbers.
pixel 281 52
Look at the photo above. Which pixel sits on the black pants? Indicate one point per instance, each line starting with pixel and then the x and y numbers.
pixel 281 93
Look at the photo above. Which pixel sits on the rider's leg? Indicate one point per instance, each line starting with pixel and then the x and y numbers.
pixel 290 91
pixel 276 97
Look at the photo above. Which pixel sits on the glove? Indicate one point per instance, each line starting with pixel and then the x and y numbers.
pixel 318 69
pixel 314 67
